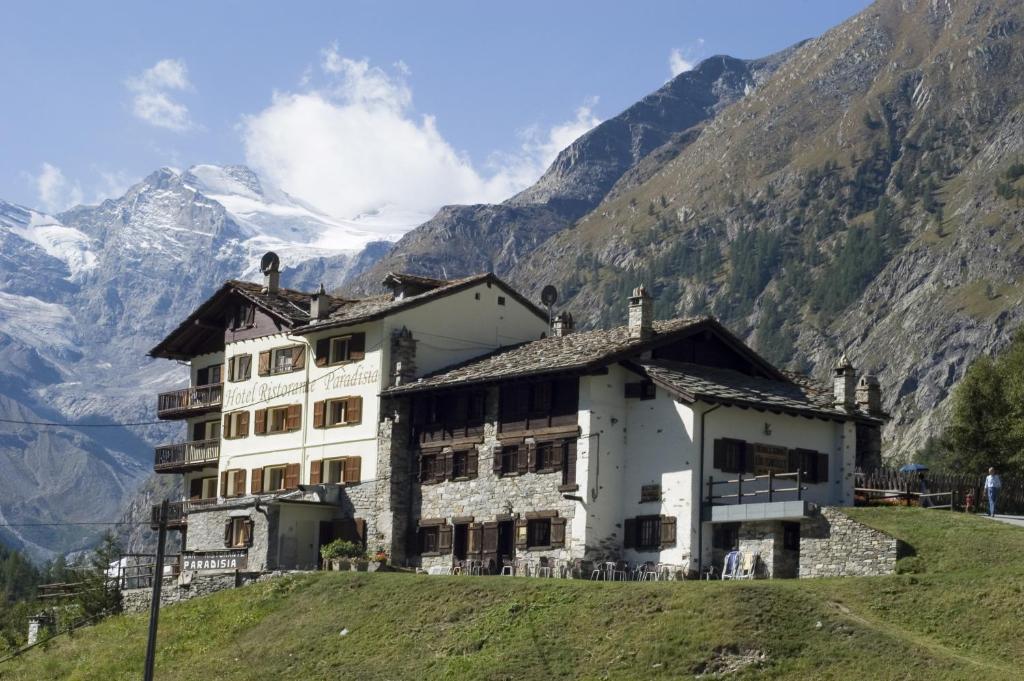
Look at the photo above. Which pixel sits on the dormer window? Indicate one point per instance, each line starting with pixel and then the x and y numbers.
pixel 340 349
pixel 243 317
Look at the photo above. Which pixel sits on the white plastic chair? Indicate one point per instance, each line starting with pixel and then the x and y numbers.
pixel 731 565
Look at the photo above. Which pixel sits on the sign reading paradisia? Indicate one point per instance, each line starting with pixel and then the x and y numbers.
pixel 214 560
pixel 269 391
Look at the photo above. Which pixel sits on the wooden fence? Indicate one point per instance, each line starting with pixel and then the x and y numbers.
pixel 888 483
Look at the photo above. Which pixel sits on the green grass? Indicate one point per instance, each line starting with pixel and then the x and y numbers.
pixel 957 616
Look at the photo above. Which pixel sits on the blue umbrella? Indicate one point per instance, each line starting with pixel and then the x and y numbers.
pixel 913 468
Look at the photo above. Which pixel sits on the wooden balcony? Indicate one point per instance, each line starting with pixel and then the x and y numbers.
pixel 177 512
pixel 199 399
pixel 185 456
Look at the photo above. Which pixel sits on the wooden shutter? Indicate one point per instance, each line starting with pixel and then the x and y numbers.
pixel 490 537
pixel 228 526
pixel 424 467
pixel 294 418
pixel 523 459
pixel 632 390
pixel 808 464
pixel 316 471
pixel 249 527
pixel 323 352
pixel 746 455
pixel 794 461
pixel 668 531
pixel 444 539
pixel 472 463
pixel 531 456
pixel 822 467
pixel 569 476
pixel 246 361
pixel 256 487
pixel 557 533
pixel 448 466
pixel 224 484
pixel 240 482
pixel 361 531
pixel 719 460
pixel 225 429
pixel 352 468
pixel 521 533
pixel 474 538
pixel 629 533
pixel 264 368
pixel 354 410
pixel 357 346
pixel 260 422
pixel 496 459
pixel 319 413
pixel 557 454
pixel 242 425
pixel 291 476
pixel 299 357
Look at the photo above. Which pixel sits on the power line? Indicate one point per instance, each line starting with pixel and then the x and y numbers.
pixel 70 524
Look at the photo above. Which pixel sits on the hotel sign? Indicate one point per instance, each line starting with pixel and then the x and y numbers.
pixel 214 560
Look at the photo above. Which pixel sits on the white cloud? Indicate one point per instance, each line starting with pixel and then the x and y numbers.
pixel 54 190
pixel 354 145
pixel 684 59
pixel 152 91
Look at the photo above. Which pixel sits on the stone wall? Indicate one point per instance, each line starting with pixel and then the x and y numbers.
pixel 206 529
pixel 834 545
pixel 175 591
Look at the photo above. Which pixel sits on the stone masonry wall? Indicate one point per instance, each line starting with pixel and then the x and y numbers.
pixel 488 496
pixel 138 600
pixel 834 545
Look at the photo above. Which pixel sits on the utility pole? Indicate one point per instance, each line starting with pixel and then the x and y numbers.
pixel 154 605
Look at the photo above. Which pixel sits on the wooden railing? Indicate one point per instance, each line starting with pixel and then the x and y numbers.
pixel 770 492
pixel 194 454
pixel 177 511
pixel 887 485
pixel 196 398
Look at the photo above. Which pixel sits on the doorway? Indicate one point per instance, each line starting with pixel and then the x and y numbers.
pixel 506 541
pixel 460 540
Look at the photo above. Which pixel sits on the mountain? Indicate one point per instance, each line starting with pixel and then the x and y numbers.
pixel 497 238
pixel 864 195
pixel 86 293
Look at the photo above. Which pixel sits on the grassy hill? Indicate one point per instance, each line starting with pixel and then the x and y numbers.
pixel 954 613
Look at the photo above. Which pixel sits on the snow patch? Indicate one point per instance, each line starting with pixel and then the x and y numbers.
pixel 66 244
pixel 35 323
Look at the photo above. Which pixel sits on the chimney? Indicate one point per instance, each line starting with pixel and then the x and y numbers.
pixel 640 313
pixel 403 357
pixel 845 380
pixel 562 324
pixel 270 265
pixel 320 304
pixel 869 395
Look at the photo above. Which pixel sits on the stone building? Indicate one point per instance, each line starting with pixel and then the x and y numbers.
pixel 287 445
pixel 668 442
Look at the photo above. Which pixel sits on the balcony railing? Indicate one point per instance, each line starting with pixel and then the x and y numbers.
pixel 188 401
pixel 741 490
pixel 186 455
pixel 177 512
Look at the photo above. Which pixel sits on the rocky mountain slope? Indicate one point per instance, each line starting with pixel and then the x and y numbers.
pixel 865 196
pixel 85 294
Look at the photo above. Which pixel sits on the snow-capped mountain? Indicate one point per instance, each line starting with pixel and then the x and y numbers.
pixel 84 295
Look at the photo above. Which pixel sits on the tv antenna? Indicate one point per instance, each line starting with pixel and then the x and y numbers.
pixel 549 296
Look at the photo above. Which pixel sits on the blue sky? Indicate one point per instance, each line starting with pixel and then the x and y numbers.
pixel 346 104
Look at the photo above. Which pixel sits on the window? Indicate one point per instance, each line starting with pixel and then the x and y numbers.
pixel 725 536
pixel 339 349
pixel 338 471
pixel 210 375
pixel 273 479
pixel 509 460
pixel 501 300
pixel 344 411
pixel 547 457
pixel 202 488
pixel 242 317
pixel 232 483
pixel 277 420
pixel 538 533
pixel 643 390
pixel 460 464
pixel 283 360
pixel 206 430
pixel 238 533
pixel 649 532
pixel 429 468
pixel 428 539
pixel 240 368
pixel 730 455
pixel 236 424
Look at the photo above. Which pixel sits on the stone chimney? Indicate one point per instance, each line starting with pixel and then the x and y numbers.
pixel 869 395
pixel 270 265
pixel 641 313
pixel 845 380
pixel 320 304
pixel 562 324
pixel 403 357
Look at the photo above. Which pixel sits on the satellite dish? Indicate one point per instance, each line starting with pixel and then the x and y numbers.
pixel 270 262
pixel 549 295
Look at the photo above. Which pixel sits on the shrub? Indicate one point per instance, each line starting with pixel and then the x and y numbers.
pixel 340 548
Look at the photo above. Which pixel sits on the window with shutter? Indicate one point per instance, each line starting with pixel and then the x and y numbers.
pixel 248 527
pixel 444 539
pixel 318 413
pixel 241 424
pixel 525 458
pixel 354 411
pixel 472 463
pixel 239 483
pixel 323 352
pixel 569 463
pixel 229 533
pixel 294 417
pixel 264 363
pixel 474 538
pixel 357 347
pixel 256 486
pixel 730 455
pixel 291 476
pixel 274 478
pixel 224 492
pixel 490 537
pixel 522 537
pixel 449 465
pixel 538 533
pixel 429 538
pixel 298 357
pixel 557 533
pixel 260 422
pixel 648 533
pixel 315 471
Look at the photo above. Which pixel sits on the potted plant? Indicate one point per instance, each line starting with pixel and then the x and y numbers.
pixel 338 554
pixel 380 560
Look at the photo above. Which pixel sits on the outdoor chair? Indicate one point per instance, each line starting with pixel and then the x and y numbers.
pixel 544 570
pixel 648 572
pixel 748 569
pixel 731 565
pixel 522 568
pixel 620 571
pixel 507 568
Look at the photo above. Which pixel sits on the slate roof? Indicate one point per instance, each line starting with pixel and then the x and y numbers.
pixel 693 382
pixel 573 352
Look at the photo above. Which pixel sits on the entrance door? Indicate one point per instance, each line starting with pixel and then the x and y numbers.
pixel 490 546
pixel 459 542
pixel 506 541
